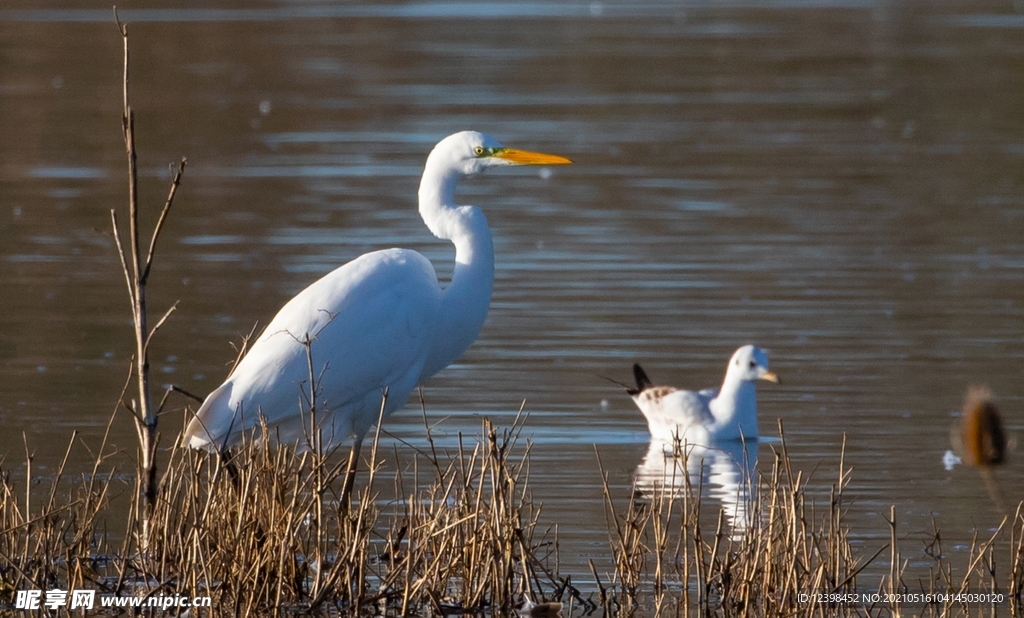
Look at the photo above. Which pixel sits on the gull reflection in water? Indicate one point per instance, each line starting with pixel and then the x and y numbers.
pixel 724 471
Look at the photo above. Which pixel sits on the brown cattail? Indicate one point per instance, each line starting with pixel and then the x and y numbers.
pixel 983 440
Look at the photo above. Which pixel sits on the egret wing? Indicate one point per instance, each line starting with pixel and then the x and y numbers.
pixel 367 325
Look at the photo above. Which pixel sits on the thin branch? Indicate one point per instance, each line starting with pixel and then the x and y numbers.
pixel 163 216
pixel 120 400
pixel 243 348
pixel 124 259
pixel 174 388
pixel 159 323
pixel 140 427
pixel 123 29
pixel 128 126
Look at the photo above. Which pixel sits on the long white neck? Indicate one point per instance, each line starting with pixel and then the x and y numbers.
pixel 736 406
pixel 465 301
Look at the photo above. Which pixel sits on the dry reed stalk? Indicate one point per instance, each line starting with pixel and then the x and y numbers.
pixel 1015 588
pixel 628 534
pixel 136 271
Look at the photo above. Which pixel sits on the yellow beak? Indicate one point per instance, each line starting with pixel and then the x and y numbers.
pixel 525 157
pixel 770 376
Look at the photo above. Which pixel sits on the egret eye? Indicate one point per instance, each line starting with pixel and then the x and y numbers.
pixel 753 364
pixel 479 150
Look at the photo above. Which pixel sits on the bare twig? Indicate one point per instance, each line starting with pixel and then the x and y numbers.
pixel 175 181
pixel 136 272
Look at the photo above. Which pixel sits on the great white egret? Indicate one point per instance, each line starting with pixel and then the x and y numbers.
pixel 381 322
pixel 711 415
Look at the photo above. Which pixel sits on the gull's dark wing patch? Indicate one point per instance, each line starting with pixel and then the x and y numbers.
pixel 642 381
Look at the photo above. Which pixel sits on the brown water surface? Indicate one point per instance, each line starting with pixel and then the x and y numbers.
pixel 837 181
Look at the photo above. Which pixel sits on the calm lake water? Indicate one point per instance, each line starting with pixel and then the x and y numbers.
pixel 838 182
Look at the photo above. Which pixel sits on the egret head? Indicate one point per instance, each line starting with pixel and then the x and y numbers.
pixel 750 363
pixel 470 152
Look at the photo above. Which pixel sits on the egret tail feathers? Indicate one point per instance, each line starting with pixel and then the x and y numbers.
pixel 206 429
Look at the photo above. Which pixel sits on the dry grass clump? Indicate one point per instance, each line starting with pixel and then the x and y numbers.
pixel 51 531
pixel 265 533
pixel 470 533
pixel 663 546
pixel 259 530
pixel 788 557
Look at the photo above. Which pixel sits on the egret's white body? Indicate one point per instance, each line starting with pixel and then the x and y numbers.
pixel 381 321
pixel 711 415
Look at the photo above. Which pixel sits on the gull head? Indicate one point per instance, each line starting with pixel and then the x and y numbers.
pixel 750 363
